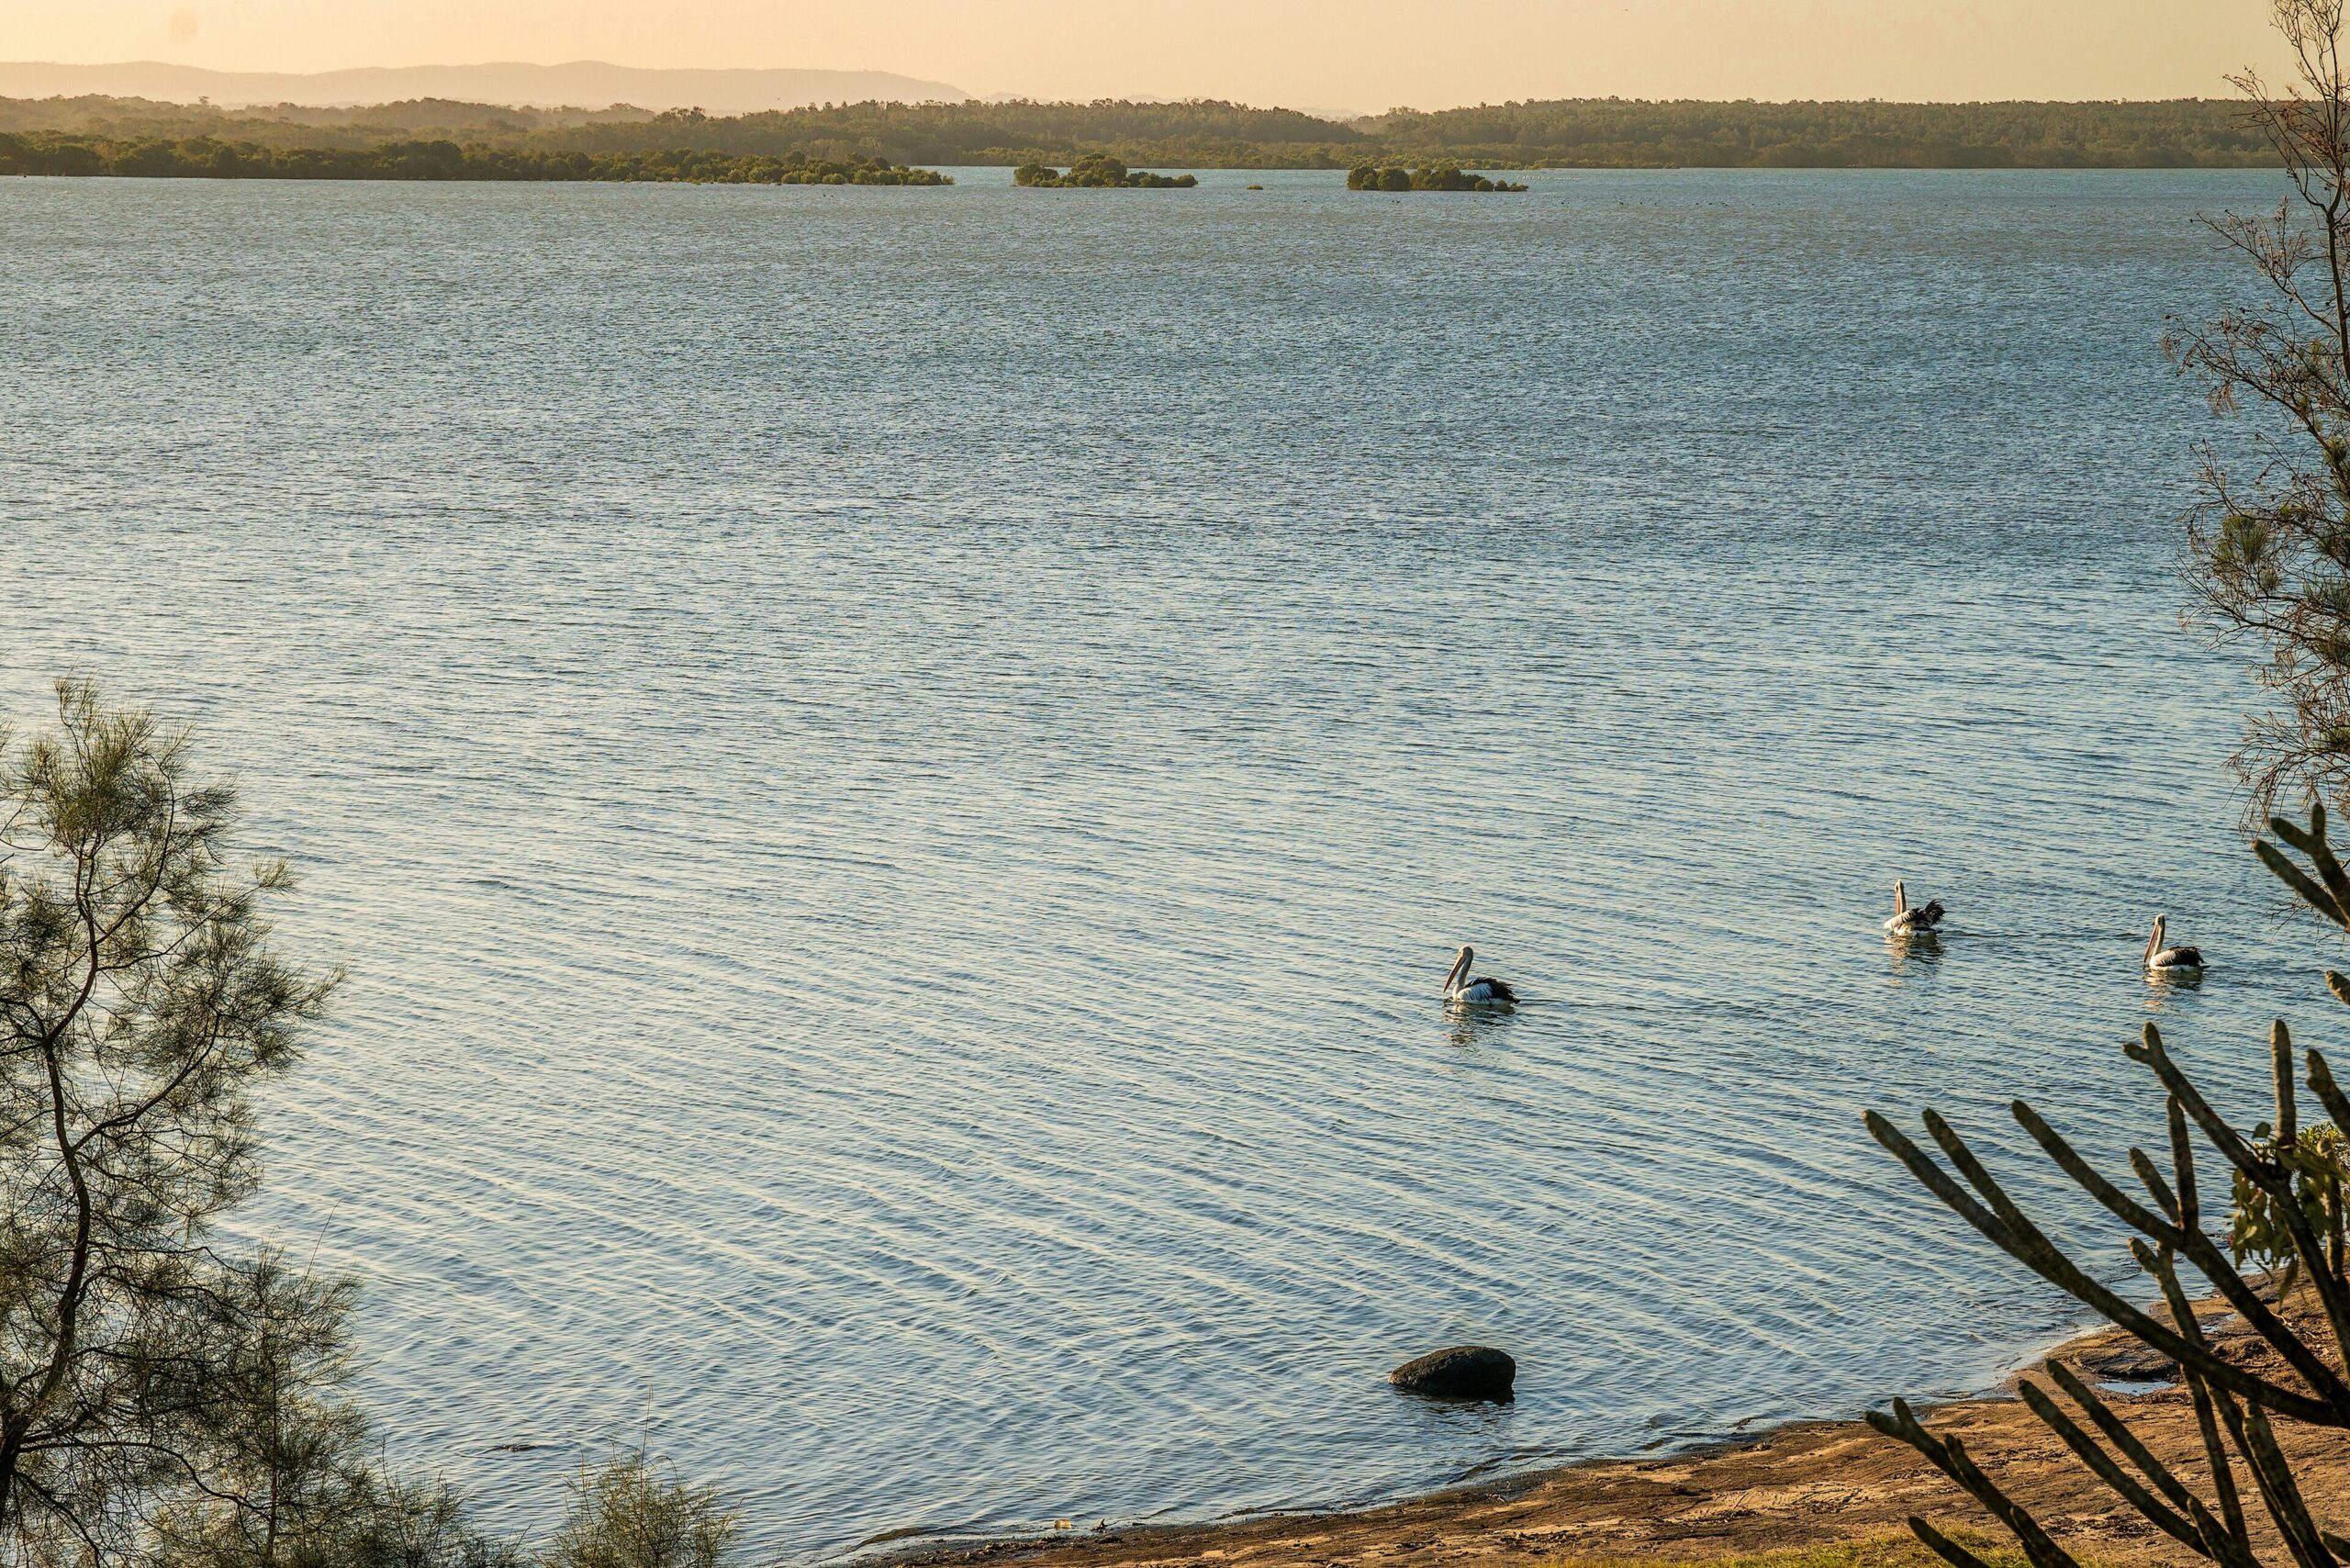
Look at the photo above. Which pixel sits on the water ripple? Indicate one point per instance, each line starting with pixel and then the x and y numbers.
pixel 896 772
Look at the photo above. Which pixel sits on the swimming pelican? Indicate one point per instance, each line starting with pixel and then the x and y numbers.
pixel 2160 958
pixel 1907 922
pixel 1483 992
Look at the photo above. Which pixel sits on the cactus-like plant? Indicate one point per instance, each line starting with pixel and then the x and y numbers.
pixel 2301 1212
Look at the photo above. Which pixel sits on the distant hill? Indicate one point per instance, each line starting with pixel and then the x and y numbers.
pixel 587 84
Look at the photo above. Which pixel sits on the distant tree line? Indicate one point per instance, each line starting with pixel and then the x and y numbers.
pixel 1195 134
pixel 1615 133
pixel 203 157
pixel 1442 176
pixel 300 125
pixel 1566 133
pixel 1101 170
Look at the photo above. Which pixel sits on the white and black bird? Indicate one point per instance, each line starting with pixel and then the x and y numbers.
pixel 1907 922
pixel 2171 961
pixel 1483 992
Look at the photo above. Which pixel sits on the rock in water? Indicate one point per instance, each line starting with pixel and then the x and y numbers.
pixel 1465 1372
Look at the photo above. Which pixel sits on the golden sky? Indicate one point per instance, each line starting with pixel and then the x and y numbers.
pixel 1338 54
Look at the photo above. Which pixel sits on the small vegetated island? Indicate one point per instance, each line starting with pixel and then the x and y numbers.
pixel 1101 172
pixel 202 157
pixel 1435 177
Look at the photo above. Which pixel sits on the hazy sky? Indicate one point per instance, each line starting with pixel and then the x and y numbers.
pixel 1360 54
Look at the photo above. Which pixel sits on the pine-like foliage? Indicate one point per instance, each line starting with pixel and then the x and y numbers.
pixel 2236 1406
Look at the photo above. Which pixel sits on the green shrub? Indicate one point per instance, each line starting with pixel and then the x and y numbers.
pixel 626 1514
pixel 2259 1230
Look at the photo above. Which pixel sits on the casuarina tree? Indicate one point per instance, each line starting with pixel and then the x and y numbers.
pixel 141 1003
pixel 2270 533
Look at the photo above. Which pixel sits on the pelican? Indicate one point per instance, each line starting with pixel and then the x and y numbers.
pixel 1907 922
pixel 2161 959
pixel 1483 992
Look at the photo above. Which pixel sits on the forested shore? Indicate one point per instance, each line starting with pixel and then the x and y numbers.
pixel 204 157
pixel 1565 133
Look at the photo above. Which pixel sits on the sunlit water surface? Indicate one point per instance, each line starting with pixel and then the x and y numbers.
pixel 896 772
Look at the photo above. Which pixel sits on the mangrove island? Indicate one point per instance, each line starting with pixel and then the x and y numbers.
pixel 1102 172
pixel 1446 176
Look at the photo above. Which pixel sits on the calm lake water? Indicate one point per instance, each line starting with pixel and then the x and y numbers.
pixel 897 771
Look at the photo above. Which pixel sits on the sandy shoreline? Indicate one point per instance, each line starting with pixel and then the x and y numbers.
pixel 1807 1484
